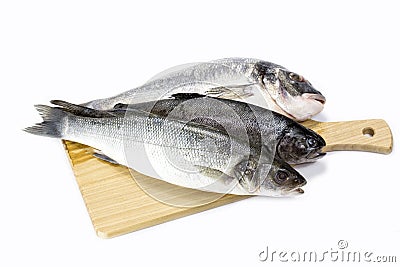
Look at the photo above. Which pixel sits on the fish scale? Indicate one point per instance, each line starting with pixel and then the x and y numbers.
pixel 158 139
pixel 246 122
pixel 243 79
pixel 182 153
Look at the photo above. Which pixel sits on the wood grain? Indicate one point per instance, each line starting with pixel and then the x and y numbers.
pixel 117 204
pixel 362 135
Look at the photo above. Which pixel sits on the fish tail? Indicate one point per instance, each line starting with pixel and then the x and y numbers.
pixel 53 121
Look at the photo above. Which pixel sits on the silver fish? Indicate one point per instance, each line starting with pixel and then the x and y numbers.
pixel 185 154
pixel 249 80
pixel 292 142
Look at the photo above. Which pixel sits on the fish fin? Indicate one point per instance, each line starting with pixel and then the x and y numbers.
pixel 122 106
pixel 121 109
pixel 81 110
pixel 52 122
pixel 254 174
pixel 187 95
pixel 100 155
pixel 250 185
pixel 216 174
pixel 251 172
pixel 231 91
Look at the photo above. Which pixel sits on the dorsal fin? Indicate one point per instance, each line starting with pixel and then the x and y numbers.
pixel 121 106
pixel 187 95
pixel 81 110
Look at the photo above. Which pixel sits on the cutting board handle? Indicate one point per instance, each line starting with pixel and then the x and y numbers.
pixel 362 135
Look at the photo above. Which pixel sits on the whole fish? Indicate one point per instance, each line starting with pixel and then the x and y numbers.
pixel 291 141
pixel 249 80
pixel 185 154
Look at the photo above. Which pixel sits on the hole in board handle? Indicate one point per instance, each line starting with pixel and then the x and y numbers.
pixel 368 132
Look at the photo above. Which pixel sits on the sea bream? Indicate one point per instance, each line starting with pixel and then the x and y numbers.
pixel 252 81
pixel 291 141
pixel 182 153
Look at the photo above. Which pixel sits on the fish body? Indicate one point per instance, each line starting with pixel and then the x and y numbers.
pixel 253 81
pixel 185 154
pixel 291 141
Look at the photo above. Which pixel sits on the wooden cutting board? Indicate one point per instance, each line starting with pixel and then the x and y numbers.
pixel 118 204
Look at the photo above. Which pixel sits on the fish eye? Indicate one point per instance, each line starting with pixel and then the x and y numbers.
pixel 295 77
pixel 281 177
pixel 312 142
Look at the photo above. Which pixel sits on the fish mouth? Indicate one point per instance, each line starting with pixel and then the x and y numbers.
pixel 317 97
pixel 294 191
pixel 310 158
pixel 315 155
pixel 303 107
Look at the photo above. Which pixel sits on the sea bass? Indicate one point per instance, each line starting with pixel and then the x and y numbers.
pixel 184 154
pixel 253 81
pixel 291 141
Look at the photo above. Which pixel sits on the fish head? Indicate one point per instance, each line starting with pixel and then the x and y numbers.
pixel 282 180
pixel 300 145
pixel 292 92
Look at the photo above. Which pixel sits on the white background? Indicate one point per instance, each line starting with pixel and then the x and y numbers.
pixel 81 50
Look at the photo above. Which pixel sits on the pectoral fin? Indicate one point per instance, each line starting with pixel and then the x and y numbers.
pixel 250 185
pixel 232 91
pixel 216 174
pixel 252 174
